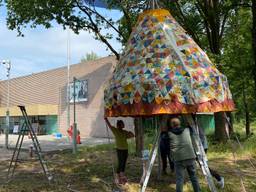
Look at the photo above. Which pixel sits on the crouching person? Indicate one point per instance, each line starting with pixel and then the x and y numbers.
pixel 121 137
pixel 183 154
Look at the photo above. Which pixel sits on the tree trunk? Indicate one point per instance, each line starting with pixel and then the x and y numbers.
pixel 254 40
pixel 219 118
pixel 247 122
pixel 139 136
pixel 247 114
pixel 220 127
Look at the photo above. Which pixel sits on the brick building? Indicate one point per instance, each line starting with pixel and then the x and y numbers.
pixel 45 97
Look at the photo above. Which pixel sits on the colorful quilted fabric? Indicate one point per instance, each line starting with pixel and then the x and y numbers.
pixel 163 71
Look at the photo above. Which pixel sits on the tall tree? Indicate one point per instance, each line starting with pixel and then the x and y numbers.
pixel 237 56
pixel 206 20
pixel 254 39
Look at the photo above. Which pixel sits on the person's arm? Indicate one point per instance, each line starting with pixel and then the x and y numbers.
pixel 112 128
pixel 108 123
pixel 203 138
pixel 129 134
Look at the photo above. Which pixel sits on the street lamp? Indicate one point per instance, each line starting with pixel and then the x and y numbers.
pixel 7 64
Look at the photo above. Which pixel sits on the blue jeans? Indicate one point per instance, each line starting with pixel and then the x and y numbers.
pixel 180 167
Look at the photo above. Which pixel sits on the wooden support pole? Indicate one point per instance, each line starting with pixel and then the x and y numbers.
pixel 220 127
pixel 139 135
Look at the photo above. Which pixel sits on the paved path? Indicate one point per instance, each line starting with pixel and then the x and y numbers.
pixel 5 155
pixel 49 143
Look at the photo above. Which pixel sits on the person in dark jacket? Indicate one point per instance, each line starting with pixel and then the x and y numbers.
pixel 165 151
pixel 183 154
pixel 203 138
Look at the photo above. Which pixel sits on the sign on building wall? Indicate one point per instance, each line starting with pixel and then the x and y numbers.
pixel 81 91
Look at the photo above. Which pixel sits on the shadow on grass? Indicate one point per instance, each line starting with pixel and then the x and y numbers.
pixel 91 170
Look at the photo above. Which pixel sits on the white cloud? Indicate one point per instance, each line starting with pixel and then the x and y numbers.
pixel 43 49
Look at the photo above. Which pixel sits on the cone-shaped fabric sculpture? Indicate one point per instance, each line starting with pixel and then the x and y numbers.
pixel 163 71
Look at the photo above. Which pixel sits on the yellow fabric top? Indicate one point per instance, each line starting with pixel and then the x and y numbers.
pixel 158 13
pixel 121 137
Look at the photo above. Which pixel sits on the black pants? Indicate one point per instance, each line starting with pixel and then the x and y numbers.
pixel 165 154
pixel 166 157
pixel 122 156
pixel 213 172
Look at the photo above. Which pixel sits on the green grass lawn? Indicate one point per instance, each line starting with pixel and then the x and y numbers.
pixel 91 170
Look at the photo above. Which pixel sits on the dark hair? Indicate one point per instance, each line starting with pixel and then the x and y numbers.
pixel 171 117
pixel 119 123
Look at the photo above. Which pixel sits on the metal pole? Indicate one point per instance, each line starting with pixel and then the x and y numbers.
pixel 7 64
pixel 158 129
pixel 74 125
pixel 151 161
pixel 68 79
pixel 7 108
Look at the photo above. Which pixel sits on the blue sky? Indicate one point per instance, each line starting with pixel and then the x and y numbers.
pixel 43 49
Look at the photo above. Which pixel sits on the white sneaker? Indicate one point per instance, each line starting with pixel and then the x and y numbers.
pixel 221 183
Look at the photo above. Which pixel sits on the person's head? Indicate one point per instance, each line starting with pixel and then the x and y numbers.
pixel 175 122
pixel 120 124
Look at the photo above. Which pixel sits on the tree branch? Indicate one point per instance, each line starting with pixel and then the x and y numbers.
pixel 96 30
pixel 103 18
pixel 128 19
pixel 223 25
pixel 190 31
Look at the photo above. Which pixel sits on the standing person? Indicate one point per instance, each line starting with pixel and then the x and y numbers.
pixel 70 135
pixel 165 151
pixel 70 132
pixel 121 137
pixel 183 154
pixel 192 124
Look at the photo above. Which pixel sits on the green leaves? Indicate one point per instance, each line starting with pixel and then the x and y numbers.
pixel 90 57
pixel 238 60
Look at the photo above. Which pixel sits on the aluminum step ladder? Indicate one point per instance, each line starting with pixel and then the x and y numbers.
pixel 26 129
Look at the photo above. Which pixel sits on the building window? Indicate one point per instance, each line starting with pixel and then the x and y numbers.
pixel 81 91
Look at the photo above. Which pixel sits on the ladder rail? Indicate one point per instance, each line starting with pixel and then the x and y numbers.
pixel 151 161
pixel 15 163
pixel 14 152
pixel 28 123
pixel 202 158
pixel 151 164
